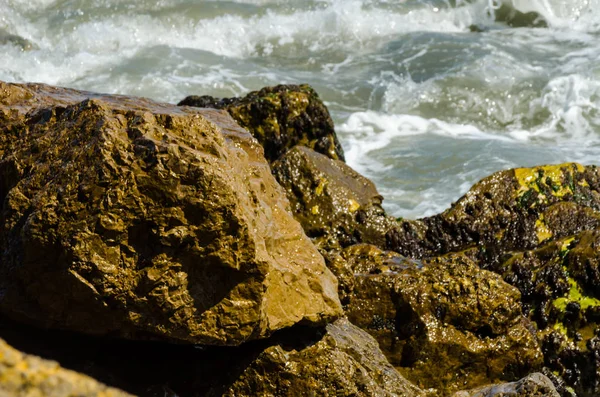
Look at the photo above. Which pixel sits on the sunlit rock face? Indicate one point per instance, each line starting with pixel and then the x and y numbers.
pixel 131 218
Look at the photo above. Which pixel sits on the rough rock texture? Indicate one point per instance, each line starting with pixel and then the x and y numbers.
pixel 534 385
pixel 335 205
pixel 280 118
pixel 445 323
pixel 510 210
pixel 339 360
pixel 560 286
pixel 346 361
pixel 127 217
pixel 22 375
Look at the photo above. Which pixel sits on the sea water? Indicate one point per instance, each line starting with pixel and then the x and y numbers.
pixel 428 96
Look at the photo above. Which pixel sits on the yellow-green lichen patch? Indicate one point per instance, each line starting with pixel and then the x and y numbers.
pixel 314 210
pixel 558 178
pixel 299 102
pixel 542 231
pixel 353 205
pixel 321 187
pixel 575 295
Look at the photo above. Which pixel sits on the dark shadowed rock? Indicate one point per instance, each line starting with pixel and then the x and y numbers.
pixel 534 385
pixel 444 323
pixel 335 205
pixel 338 360
pixel 23 375
pixel 128 217
pixel 280 118
pixel 345 361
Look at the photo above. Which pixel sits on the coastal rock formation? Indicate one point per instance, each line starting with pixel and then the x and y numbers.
pixel 515 209
pixel 336 360
pixel 23 375
pixel 559 283
pixel 534 385
pixel 335 205
pixel 131 218
pixel 280 117
pixel 445 323
pixel 345 361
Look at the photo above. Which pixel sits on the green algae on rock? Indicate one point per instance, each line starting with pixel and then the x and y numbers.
pixel 510 210
pixel 23 375
pixel 280 117
pixel 335 205
pixel 445 323
pixel 132 218
pixel 559 283
pixel 533 385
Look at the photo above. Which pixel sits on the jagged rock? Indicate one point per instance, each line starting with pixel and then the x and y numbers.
pixel 516 209
pixel 559 283
pixel 22 375
pixel 280 118
pixel 335 205
pixel 127 217
pixel 534 385
pixel 346 361
pixel 337 360
pixel 445 323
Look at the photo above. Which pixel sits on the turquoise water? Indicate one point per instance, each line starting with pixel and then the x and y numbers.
pixel 428 96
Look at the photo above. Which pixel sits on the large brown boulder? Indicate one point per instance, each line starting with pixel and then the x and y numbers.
pixel 445 323
pixel 127 217
pixel 335 205
pixel 280 117
pixel 23 375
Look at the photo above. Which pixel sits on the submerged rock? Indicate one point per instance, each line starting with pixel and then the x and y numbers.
pixel 23 375
pixel 280 117
pixel 127 217
pixel 534 385
pixel 335 205
pixel 445 323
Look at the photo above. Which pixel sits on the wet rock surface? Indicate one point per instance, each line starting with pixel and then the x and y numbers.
pixel 534 385
pixel 444 323
pixel 335 205
pixel 127 217
pixel 280 117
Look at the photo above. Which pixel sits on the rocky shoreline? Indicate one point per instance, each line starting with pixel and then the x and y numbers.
pixel 222 247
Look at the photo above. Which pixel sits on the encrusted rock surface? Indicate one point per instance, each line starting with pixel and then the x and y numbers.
pixel 335 205
pixel 23 375
pixel 127 217
pixel 280 117
pixel 534 385
pixel 510 210
pixel 445 323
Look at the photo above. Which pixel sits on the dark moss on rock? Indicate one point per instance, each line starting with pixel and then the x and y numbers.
pixel 281 117
pixel 559 284
pixel 445 323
